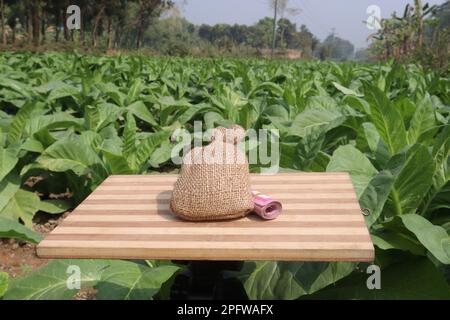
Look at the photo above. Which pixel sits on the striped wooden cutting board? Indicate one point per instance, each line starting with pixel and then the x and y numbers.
pixel 128 217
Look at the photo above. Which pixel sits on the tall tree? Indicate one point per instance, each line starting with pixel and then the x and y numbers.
pixel 275 4
pixel 286 33
pixel 148 9
pixel 2 8
pixel 16 12
pixel 261 33
pixel 419 21
pixel 100 11
pixel 114 13
pixel 280 8
pixel 35 9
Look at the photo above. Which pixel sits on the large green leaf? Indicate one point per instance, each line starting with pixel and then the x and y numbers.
pixel 308 148
pixel 434 238
pixel 139 109
pixel 148 145
pixel 102 115
pixel 8 188
pixel 49 86
pixel 63 90
pixel 413 170
pixel 13 229
pixel 17 86
pixel 135 90
pixel 423 120
pixel 213 119
pixel 357 104
pixel 8 160
pixel 23 205
pixel 290 280
pixel 321 162
pixel 51 281
pixel 351 160
pixel 191 111
pixel 315 117
pixel 346 91
pixel 387 120
pixel 379 149
pixel 4 279
pixel 438 195
pixel 113 92
pixel 266 87
pixel 129 138
pixel 71 154
pixel 162 154
pixel 19 121
pixel 117 164
pixel 375 195
pixel 59 120
pixel 124 280
pixel 322 102
pixel 411 280
pixel 54 206
pixel 396 240
pixel 32 145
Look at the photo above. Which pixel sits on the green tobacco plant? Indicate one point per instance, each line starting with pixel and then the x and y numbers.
pixel 12 229
pixel 4 278
pixel 119 280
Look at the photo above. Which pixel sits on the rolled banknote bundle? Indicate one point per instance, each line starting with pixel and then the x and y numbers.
pixel 266 207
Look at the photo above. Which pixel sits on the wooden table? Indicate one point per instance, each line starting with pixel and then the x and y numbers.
pixel 128 217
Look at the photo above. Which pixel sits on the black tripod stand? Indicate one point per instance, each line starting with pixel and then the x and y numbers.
pixel 208 280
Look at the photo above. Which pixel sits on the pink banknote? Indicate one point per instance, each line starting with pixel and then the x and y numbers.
pixel 266 207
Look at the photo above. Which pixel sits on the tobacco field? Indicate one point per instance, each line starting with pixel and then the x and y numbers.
pixel 68 121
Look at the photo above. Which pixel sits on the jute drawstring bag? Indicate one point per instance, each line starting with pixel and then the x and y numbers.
pixel 214 182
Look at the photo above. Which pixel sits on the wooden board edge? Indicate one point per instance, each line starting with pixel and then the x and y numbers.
pixel 361 255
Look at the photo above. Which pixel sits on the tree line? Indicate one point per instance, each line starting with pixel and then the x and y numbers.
pixel 177 34
pixel 127 24
pixel 121 21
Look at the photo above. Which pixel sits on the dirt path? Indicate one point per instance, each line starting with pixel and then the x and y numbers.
pixel 18 258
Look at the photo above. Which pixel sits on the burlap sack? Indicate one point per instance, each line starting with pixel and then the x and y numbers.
pixel 214 182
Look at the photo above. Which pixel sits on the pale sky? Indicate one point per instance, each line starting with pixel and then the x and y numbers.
pixel 320 16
